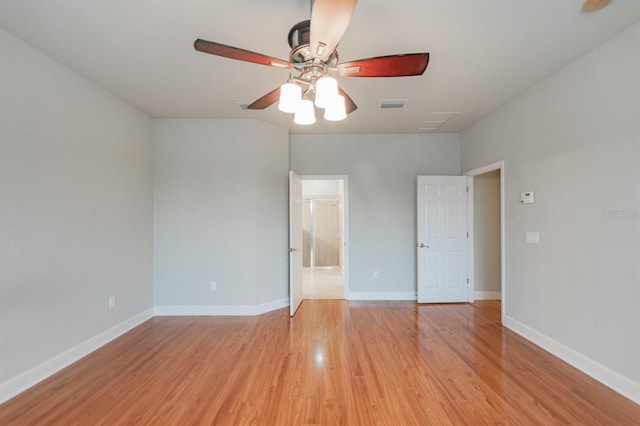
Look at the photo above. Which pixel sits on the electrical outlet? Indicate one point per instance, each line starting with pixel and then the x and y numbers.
pixel 376 275
pixel 112 302
pixel 533 237
pixel 213 286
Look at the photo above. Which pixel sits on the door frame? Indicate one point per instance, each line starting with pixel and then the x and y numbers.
pixel 295 253
pixel 345 223
pixel 499 165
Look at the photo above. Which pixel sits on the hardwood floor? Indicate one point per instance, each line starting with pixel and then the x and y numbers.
pixel 336 362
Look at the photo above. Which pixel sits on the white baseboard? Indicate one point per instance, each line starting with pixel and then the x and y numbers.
pixel 220 310
pixel 22 382
pixel 382 295
pixel 487 295
pixel 604 375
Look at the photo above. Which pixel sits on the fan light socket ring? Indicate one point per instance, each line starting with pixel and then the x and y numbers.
pixel 301 57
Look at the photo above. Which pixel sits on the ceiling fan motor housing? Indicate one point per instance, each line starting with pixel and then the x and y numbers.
pixel 299 41
pixel 300 34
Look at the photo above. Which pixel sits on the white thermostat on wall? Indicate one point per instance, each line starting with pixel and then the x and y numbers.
pixel 526 197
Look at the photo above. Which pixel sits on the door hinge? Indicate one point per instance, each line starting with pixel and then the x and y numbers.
pixel 467 235
pixel 467 189
pixel 467 280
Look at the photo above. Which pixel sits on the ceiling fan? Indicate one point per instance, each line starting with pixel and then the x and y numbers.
pixel 313 55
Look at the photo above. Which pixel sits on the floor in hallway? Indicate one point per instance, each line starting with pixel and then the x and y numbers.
pixel 323 283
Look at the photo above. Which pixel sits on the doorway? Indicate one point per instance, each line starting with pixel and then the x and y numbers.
pixel 442 249
pixel 487 246
pixel 324 227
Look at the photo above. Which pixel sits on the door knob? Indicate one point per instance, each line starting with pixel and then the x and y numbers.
pixel 423 245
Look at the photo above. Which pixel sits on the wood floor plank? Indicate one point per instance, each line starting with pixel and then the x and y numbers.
pixel 335 363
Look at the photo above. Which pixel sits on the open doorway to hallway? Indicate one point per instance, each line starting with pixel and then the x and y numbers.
pixel 487 237
pixel 324 241
pixel 488 233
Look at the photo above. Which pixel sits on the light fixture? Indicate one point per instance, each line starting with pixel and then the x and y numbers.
pixel 305 114
pixel 336 111
pixel 290 97
pixel 312 88
pixel 326 91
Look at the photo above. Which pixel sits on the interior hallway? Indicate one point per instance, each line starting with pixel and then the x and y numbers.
pixel 323 283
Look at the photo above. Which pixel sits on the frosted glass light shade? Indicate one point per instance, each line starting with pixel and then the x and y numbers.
pixel 336 111
pixel 305 114
pixel 290 97
pixel 326 91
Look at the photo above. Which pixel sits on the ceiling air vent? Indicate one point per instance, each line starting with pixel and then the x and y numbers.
pixel 440 116
pixel 430 125
pixel 392 103
pixel 435 120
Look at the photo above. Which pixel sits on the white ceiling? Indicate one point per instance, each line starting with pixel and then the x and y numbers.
pixel 482 52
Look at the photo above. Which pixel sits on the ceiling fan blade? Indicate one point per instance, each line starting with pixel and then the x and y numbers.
pixel 593 5
pixel 386 66
pixel 349 105
pixel 240 54
pixel 329 21
pixel 267 100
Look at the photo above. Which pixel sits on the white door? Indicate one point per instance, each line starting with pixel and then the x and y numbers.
pixel 442 239
pixel 295 242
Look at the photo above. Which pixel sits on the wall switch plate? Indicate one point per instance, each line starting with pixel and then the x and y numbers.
pixel 533 237
pixel 376 275
pixel 527 197
pixel 213 286
pixel 112 302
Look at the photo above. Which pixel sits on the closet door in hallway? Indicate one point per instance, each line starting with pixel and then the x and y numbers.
pixel 326 232
pixel 321 229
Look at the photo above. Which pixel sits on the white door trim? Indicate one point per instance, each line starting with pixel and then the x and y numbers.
pixel 499 165
pixel 345 222
pixel 295 242
pixel 470 287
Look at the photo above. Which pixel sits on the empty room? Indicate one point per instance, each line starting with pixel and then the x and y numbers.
pixel 319 212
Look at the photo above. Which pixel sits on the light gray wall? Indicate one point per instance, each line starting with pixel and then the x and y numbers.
pixel 574 139
pixel 272 212
pixel 486 230
pixel 382 172
pixel 220 212
pixel 75 209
